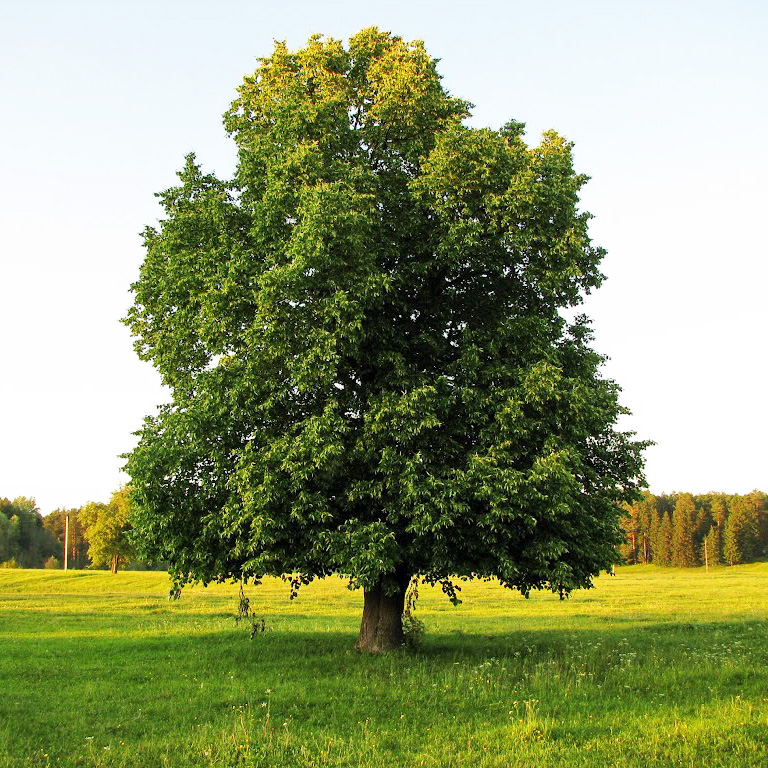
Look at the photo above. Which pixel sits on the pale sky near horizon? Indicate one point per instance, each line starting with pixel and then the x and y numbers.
pixel 667 103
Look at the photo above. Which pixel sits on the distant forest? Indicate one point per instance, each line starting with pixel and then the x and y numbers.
pixel 684 530
pixel 25 539
pixel 29 540
pixel 96 536
pixel 678 529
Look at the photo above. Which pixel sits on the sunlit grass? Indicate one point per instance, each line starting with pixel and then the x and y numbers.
pixel 653 667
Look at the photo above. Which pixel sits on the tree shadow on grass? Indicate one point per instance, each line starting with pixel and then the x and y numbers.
pixel 572 681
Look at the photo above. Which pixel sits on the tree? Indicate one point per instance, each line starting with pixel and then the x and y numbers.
pixel 662 551
pixel 106 530
pixel 710 547
pixel 702 522
pixel 363 337
pixel 683 551
pixel 758 503
pixel 740 537
pixel 24 541
pixel 719 514
pixel 648 516
pixel 639 529
pixel 632 529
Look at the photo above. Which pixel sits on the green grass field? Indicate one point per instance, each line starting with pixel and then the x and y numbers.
pixel 653 667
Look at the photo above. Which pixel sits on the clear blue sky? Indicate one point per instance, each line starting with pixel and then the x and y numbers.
pixel 667 103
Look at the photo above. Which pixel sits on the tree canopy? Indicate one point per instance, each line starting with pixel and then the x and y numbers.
pixel 107 530
pixel 24 541
pixel 363 334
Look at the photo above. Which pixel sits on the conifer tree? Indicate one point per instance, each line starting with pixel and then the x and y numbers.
pixel 647 515
pixel 732 552
pixel 702 522
pixel 719 514
pixel 632 527
pixel 710 546
pixel 758 501
pixel 654 535
pixel 664 541
pixel 740 535
pixel 683 554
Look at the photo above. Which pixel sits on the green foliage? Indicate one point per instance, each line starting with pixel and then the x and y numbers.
pixel 24 541
pixel 639 529
pixel 711 547
pixel 107 530
pixel 55 523
pixel 414 629
pixel 664 540
pixel 257 624
pixel 683 554
pixel 736 536
pixel 363 336
pixel 672 530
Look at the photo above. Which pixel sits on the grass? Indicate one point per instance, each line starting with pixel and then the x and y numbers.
pixel 654 667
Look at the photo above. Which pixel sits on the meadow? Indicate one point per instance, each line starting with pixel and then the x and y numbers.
pixel 653 667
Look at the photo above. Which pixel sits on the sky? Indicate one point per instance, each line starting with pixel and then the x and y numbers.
pixel 666 103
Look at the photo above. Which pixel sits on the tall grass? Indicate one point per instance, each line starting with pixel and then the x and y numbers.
pixel 654 667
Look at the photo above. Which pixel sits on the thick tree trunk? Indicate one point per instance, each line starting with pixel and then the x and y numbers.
pixel 115 563
pixel 381 629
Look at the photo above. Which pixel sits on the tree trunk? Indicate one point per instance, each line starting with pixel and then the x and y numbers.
pixel 115 562
pixel 381 629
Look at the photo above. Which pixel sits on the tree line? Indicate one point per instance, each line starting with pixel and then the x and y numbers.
pixel 679 529
pixel 25 540
pixel 98 534
pixel 686 530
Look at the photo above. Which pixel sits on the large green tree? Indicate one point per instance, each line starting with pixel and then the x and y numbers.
pixel 364 338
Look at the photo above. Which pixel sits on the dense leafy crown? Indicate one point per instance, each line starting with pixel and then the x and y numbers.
pixel 363 339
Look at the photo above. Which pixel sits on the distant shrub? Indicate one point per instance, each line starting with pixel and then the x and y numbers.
pixel 12 563
pixel 413 631
pixel 52 563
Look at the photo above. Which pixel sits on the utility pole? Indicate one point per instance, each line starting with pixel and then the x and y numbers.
pixel 66 541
